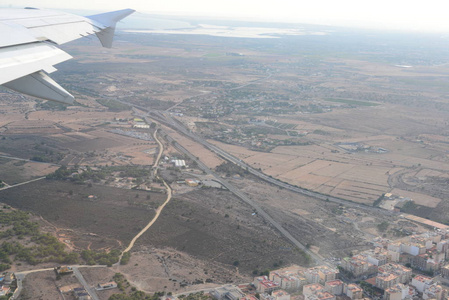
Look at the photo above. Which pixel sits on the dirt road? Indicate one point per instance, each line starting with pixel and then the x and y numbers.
pixel 160 208
pixel 22 183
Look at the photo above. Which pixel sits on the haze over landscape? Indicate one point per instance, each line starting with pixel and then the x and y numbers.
pixel 234 150
pixel 382 14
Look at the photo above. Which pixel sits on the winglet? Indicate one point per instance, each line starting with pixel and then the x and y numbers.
pixel 108 21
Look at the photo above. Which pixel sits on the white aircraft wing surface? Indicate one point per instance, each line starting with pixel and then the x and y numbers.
pixel 28 52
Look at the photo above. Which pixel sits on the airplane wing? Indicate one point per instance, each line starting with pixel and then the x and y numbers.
pixel 28 52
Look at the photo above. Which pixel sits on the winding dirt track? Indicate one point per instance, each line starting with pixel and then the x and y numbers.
pixel 160 208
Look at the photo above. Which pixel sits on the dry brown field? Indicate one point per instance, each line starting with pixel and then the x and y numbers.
pixel 63 128
pixel 303 125
pixel 357 177
pixel 418 198
pixel 427 222
pixel 9 117
pixel 97 140
pixel 179 266
pixel 308 165
pixel 276 164
pixel 16 171
pixel 361 176
pixel 429 173
pixel 90 118
pixel 23 126
pixel 140 154
pixel 378 69
pixel 42 285
pixel 206 156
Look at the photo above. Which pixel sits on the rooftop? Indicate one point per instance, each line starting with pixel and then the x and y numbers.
pixel 354 287
pixel 334 282
pixel 358 260
pixel 320 296
pixel 314 287
pixel 264 281
pixel 249 297
pixel 397 288
pixel 279 293
pixel 386 276
pixel 422 278
pixel 322 269
pixel 434 288
pixel 392 267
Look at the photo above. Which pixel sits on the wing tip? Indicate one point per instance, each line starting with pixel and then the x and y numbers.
pixel 107 21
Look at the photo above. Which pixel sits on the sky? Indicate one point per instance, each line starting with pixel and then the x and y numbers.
pixel 430 15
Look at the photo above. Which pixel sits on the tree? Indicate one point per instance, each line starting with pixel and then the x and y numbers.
pixel 382 227
pixel 125 258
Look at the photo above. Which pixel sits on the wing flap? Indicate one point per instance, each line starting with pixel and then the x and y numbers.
pixel 64 32
pixel 11 35
pixel 19 61
pixel 40 85
pixel 60 27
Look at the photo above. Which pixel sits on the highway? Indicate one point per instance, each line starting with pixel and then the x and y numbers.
pixel 81 279
pixel 166 119
pixel 169 121
pixel 316 258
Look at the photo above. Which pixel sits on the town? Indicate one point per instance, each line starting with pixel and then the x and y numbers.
pixel 410 268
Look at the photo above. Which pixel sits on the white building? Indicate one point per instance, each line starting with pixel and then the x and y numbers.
pixel 265 285
pixel 413 249
pixel 227 292
pixel 320 274
pixel 312 289
pixel 397 292
pixel 179 163
pixel 141 126
pixel 335 287
pixel 280 295
pixel 433 291
pixel 353 291
pixel 421 282
pixel 443 246
pixel 289 279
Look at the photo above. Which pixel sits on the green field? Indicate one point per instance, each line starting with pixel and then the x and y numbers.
pixel 281 125
pixel 213 55
pixel 352 102
pixel 113 105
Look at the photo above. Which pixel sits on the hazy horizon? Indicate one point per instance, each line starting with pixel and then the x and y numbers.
pixel 385 15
